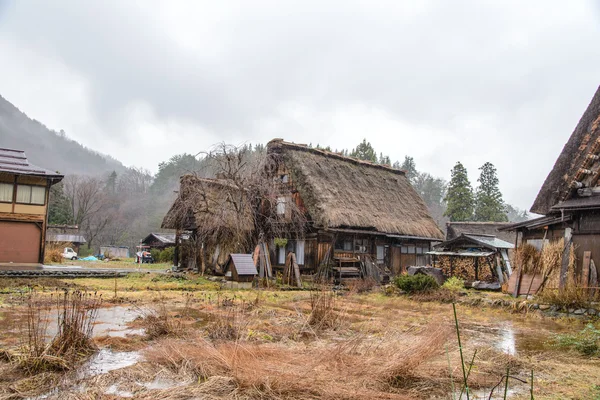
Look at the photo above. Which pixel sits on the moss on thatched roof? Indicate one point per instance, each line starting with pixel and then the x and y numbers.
pixel 342 192
pixel 573 158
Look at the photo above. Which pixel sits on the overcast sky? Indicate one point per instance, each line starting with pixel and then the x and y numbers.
pixel 442 81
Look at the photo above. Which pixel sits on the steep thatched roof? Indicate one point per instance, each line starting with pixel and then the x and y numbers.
pixel 575 161
pixel 342 192
pixel 212 205
pixel 455 229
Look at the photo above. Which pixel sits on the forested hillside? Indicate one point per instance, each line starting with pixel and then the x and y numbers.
pixel 47 148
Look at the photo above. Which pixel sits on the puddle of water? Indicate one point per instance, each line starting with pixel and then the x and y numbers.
pixel 161 383
pixel 113 321
pixel 106 361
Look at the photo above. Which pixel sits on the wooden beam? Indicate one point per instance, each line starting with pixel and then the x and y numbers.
pixel 585 270
pixel 564 268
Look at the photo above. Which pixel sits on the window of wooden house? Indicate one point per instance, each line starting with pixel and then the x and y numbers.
pixel 380 254
pixel 27 194
pixel 6 192
pixel 343 244
pixel 281 206
pixel 300 252
pixel 361 245
pixel 281 255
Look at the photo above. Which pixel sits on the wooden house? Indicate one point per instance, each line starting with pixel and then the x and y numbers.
pixel 240 268
pixel 24 190
pixel 356 212
pixel 159 241
pixel 569 199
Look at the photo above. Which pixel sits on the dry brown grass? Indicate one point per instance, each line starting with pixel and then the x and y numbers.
pixel 323 314
pixel 355 368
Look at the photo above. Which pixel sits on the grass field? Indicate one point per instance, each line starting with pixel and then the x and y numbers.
pixel 191 338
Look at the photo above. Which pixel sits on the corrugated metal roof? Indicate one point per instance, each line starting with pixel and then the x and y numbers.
pixel 244 264
pixel 165 237
pixel 63 237
pixel 492 241
pixel 461 253
pixel 15 161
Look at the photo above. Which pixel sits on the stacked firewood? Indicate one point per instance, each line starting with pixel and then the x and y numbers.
pixel 464 268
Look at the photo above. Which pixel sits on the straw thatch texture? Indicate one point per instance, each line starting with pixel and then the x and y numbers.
pixel 341 192
pixel 573 157
pixel 214 205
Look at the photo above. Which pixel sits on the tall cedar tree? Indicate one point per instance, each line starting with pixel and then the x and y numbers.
pixel 410 167
pixel 365 151
pixel 460 195
pixel 489 205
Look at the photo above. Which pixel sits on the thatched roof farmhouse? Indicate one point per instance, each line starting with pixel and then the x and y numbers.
pixel 352 210
pixel 569 199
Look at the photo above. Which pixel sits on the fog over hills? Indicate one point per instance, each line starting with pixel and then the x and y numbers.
pixel 50 149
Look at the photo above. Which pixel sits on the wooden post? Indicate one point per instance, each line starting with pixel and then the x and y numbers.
pixel 593 277
pixel 585 271
pixel 176 251
pixel 564 268
pixel 476 268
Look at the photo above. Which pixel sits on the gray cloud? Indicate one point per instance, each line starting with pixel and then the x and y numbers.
pixel 444 81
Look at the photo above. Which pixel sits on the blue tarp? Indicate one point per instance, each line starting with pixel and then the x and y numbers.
pixel 89 258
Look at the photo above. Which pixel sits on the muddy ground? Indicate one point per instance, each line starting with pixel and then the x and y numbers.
pixel 164 337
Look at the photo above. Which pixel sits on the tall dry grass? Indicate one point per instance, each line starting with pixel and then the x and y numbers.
pixel 76 315
pixel 354 368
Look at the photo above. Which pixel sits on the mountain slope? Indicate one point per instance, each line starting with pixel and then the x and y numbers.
pixel 47 148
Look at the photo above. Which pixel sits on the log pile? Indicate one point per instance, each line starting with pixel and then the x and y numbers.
pixel 464 268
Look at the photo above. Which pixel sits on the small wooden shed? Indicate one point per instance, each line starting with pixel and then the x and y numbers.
pixel 240 268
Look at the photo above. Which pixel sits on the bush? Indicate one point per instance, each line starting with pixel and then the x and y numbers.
pixel 155 253
pixel 454 284
pixel 587 341
pixel 167 255
pixel 416 283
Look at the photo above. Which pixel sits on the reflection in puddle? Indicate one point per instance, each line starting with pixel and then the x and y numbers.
pixel 114 390
pixel 113 322
pixel 106 361
pixel 506 341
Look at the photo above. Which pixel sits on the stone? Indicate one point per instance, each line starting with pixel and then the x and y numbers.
pixel 436 273
pixel 485 285
pixel 535 306
pixel 591 311
pixel 571 310
pixel 579 311
pixel 544 307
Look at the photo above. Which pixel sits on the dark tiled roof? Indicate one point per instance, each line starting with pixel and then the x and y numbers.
pixel 63 237
pixel 167 238
pixel 578 203
pixel 15 162
pixel 244 264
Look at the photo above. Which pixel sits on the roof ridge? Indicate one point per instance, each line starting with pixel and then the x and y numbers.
pixel 327 153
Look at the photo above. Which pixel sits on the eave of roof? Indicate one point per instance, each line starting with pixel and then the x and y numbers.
pixel 15 162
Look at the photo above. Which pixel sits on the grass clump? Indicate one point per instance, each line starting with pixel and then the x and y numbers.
pixel 322 306
pixel 454 284
pixel 586 341
pixel 416 283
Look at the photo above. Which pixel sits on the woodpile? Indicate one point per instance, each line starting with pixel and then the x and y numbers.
pixel 464 268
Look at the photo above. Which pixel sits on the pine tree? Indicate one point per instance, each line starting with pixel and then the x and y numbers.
pixel 384 160
pixel 411 169
pixel 365 151
pixel 59 210
pixel 489 205
pixel 460 195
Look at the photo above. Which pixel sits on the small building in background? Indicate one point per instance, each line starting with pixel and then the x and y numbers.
pixel 474 258
pixel 159 241
pixel 115 251
pixel 240 268
pixel 24 190
pixel 65 235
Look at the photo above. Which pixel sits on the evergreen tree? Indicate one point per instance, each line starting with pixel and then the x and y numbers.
pixel 365 151
pixel 411 169
pixel 460 195
pixel 59 209
pixel 384 160
pixel 111 182
pixel 489 205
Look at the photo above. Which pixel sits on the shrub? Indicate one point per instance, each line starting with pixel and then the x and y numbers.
pixel 155 253
pixel 166 255
pixel 587 341
pixel 416 283
pixel 454 284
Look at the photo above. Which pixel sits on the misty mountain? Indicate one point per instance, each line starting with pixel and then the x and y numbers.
pixel 50 149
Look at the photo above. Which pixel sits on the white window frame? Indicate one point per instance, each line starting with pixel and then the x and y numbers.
pixel 281 255
pixel 281 205
pixel 30 189
pixel 380 254
pixel 300 252
pixel 10 189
